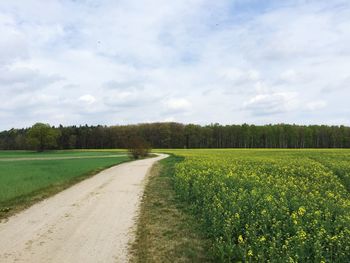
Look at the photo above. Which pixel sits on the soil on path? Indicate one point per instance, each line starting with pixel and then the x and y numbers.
pixel 92 221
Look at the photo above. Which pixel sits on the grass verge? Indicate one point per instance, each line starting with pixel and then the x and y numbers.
pixel 166 231
pixel 26 182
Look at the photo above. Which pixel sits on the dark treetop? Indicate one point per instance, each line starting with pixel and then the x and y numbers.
pixel 177 135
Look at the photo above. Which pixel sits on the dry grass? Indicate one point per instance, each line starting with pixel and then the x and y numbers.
pixel 166 231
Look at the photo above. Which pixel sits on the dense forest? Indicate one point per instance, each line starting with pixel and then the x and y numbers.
pixel 176 135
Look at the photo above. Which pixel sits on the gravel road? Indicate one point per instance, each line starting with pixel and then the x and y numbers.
pixel 92 221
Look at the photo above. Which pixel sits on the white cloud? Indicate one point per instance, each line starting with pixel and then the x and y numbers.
pixel 169 119
pixel 266 104
pixel 289 75
pixel 316 105
pixel 15 79
pixel 196 61
pixel 178 104
pixel 239 75
pixel 88 99
pixel 12 42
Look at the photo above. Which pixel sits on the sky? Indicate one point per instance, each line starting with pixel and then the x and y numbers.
pixel 111 62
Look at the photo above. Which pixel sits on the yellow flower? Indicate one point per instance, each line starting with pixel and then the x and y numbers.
pixel 301 211
pixel 330 195
pixel 302 234
pixel 334 238
pixel 250 253
pixel 240 239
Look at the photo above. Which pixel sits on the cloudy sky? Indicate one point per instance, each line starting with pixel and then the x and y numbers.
pixel 201 61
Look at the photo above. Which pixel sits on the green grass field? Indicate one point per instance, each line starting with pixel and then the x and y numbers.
pixel 53 154
pixel 22 182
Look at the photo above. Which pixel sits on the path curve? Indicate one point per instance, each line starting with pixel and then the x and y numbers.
pixel 91 221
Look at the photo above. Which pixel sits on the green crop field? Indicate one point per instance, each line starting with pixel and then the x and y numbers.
pixel 269 205
pixel 38 175
pixel 54 154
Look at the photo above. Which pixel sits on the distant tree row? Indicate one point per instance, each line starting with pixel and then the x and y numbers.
pixel 176 135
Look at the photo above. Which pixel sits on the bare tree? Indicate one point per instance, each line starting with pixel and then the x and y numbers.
pixel 138 147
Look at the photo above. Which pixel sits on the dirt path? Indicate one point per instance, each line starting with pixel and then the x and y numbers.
pixel 90 222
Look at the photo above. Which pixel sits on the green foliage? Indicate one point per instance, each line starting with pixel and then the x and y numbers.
pixel 339 165
pixel 176 135
pixel 42 137
pixel 276 206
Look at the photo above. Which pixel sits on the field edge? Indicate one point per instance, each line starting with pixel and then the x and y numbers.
pixel 166 230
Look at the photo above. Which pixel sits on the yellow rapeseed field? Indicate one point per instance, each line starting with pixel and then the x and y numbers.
pixel 270 205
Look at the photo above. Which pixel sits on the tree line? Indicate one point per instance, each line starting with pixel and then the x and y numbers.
pixel 176 135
